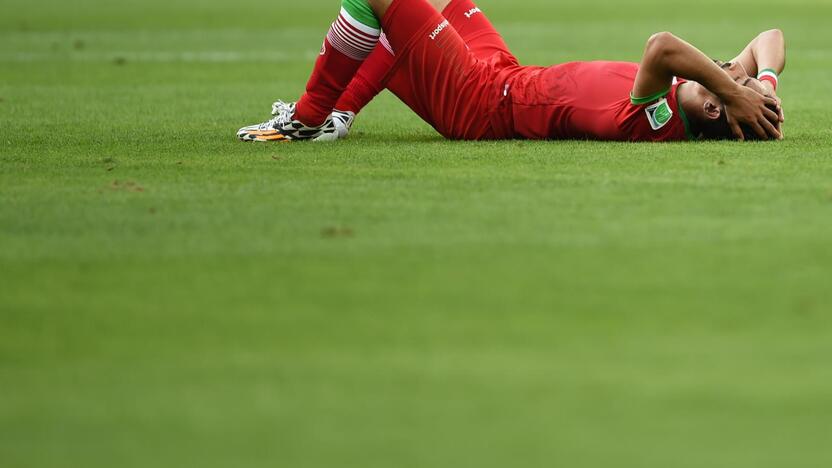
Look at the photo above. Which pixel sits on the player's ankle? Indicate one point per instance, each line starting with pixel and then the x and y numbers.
pixel 310 116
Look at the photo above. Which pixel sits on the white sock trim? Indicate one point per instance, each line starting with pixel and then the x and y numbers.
pixel 352 38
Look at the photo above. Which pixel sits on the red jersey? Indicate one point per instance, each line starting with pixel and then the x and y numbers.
pixel 457 73
pixel 586 100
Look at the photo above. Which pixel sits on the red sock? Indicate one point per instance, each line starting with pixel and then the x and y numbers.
pixel 370 80
pixel 333 72
pixel 346 46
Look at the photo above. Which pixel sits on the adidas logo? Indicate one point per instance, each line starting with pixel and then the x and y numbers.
pixel 472 12
pixel 439 29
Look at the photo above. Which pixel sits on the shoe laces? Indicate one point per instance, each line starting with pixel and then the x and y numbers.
pixel 281 107
pixel 282 112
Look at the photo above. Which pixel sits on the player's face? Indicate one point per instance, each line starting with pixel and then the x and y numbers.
pixel 703 94
pixel 736 71
pixel 756 85
pixel 739 74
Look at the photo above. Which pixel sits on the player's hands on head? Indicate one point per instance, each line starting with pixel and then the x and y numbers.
pixel 770 92
pixel 767 89
pixel 749 107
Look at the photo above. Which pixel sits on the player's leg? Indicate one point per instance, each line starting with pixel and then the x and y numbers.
pixel 476 30
pixel 445 84
pixel 481 39
pixel 349 41
pixel 370 80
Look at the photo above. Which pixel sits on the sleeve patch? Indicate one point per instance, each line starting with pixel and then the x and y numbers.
pixel 659 114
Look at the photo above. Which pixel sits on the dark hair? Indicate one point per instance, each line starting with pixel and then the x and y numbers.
pixel 719 129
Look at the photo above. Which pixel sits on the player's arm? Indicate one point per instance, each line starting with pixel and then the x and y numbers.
pixel 666 56
pixel 765 58
pixel 766 52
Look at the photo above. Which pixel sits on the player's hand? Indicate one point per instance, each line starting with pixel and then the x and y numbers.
pixel 748 107
pixel 768 90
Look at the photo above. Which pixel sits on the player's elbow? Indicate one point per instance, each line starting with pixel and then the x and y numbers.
pixel 660 45
pixel 774 39
pixel 660 39
pixel 776 33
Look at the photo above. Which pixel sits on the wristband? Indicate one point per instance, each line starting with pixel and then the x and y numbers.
pixel 768 75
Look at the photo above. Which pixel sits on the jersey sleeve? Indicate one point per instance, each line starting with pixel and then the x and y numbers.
pixel 658 117
pixel 638 101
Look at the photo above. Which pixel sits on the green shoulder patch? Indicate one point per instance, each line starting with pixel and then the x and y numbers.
pixel 659 114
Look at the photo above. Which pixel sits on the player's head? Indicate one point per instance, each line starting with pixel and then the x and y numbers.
pixel 738 73
pixel 709 112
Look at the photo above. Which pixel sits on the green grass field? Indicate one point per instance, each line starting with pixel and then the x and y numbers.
pixel 170 297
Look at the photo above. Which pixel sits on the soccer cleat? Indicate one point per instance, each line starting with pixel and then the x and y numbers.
pixel 283 127
pixel 343 119
pixel 343 122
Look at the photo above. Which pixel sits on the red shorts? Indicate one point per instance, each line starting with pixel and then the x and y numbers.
pixel 447 66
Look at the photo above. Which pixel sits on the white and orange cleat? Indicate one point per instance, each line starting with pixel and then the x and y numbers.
pixel 283 127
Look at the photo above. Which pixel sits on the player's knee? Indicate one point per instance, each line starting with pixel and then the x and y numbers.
pixel 377 6
pixel 440 5
pixel 363 11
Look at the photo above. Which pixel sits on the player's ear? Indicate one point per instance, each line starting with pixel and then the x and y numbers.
pixel 712 110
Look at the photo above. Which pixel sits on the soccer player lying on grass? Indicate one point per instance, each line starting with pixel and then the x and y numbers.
pixel 455 71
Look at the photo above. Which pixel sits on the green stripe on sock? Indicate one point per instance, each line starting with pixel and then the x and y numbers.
pixel 361 11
